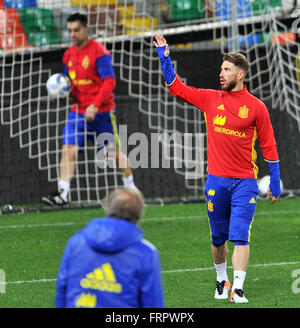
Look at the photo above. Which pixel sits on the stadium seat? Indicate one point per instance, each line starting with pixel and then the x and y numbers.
pixel 9 21
pixel 39 26
pixel 246 40
pixel 224 9
pixel 186 9
pixel 129 20
pixel 18 4
pixel 126 11
pixel 283 38
pixel 43 38
pixel 51 4
pixel 139 24
pixel 265 37
pixel 36 18
pixel 12 34
pixel 99 16
pixel 13 41
pixel 262 7
pixel 93 2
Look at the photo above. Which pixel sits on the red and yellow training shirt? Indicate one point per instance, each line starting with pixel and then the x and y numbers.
pixel 92 75
pixel 234 120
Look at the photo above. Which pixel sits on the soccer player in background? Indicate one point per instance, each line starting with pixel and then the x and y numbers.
pixel 108 264
pixel 88 64
pixel 234 120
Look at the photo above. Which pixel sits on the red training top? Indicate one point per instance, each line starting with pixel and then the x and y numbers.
pixel 234 120
pixel 92 76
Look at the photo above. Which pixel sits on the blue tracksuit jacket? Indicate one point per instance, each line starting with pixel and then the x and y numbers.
pixel 108 264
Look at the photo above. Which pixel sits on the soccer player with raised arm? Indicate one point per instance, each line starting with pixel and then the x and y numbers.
pixel 88 64
pixel 234 120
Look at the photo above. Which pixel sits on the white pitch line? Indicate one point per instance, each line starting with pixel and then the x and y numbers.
pixel 16 226
pixel 171 218
pixel 27 281
pixel 164 272
pixel 150 219
pixel 230 267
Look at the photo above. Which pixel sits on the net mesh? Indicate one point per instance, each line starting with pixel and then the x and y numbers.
pixel 267 32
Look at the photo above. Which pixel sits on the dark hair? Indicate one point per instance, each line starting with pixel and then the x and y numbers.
pixel 125 203
pixel 238 60
pixel 78 17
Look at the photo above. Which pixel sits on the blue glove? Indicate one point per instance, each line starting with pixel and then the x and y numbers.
pixel 166 66
pixel 274 178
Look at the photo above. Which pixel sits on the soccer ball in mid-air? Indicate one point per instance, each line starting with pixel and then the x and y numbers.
pixel 58 85
pixel 263 185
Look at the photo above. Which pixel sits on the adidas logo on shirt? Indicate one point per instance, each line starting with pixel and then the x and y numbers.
pixel 103 279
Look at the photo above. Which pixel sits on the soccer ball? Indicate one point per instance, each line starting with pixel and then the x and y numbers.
pixel 7 207
pixel 58 85
pixel 263 185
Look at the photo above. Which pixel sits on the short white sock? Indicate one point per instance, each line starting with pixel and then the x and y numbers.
pixel 129 181
pixel 63 189
pixel 221 270
pixel 238 279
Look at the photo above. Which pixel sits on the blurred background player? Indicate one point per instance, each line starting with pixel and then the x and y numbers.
pixel 234 120
pixel 88 64
pixel 108 263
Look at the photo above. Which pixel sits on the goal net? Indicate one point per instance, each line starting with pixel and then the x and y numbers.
pixel 158 133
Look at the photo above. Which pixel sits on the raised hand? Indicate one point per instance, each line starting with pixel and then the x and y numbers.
pixel 161 42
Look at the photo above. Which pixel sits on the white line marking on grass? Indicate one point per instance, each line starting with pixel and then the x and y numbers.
pixel 149 219
pixel 250 265
pixel 40 225
pixel 166 271
pixel 191 217
pixel 28 281
pixel 171 218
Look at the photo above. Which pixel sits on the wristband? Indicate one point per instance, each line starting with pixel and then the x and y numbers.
pixel 274 178
pixel 166 65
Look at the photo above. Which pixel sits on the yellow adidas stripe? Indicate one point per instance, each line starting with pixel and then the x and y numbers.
pixel 115 129
pixel 109 273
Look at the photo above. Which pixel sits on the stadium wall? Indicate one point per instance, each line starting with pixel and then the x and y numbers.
pixel 22 182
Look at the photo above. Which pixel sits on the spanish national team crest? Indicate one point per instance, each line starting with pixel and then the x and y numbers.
pixel 210 206
pixel 243 112
pixel 85 62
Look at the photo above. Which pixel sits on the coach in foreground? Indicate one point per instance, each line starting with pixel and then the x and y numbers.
pixel 234 120
pixel 108 264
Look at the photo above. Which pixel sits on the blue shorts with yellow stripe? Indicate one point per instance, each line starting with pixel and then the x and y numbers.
pixel 230 205
pixel 77 130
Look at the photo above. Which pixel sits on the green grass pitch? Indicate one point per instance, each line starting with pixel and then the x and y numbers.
pixel 32 246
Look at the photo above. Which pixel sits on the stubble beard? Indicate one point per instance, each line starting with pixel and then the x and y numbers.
pixel 228 87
